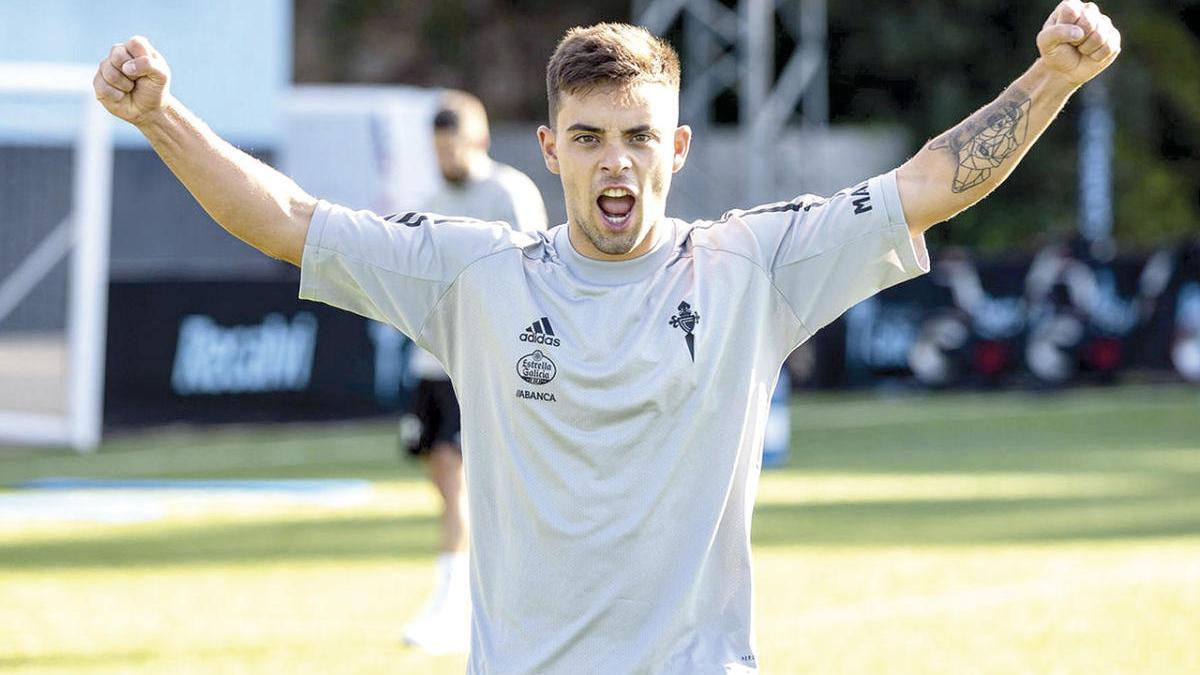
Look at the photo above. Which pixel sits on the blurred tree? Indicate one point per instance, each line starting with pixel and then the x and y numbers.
pixel 495 49
pixel 927 64
pixel 924 64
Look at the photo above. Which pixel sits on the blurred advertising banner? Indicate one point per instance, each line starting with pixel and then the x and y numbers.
pixel 245 351
pixel 1058 319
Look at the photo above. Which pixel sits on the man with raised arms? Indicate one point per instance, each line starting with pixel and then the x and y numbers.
pixel 612 471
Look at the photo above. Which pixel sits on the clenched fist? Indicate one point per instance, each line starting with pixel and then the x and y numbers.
pixel 1078 41
pixel 132 80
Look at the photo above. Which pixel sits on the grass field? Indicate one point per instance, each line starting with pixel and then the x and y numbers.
pixel 983 533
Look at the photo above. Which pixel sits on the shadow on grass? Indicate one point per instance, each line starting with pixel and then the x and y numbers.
pixel 1158 446
pixel 331 538
pixel 978 522
pixel 1105 441
pixel 1172 512
pixel 121 660
pixel 74 661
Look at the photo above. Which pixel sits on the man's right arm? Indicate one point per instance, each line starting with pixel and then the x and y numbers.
pixel 254 202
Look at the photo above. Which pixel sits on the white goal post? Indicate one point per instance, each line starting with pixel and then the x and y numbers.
pixel 83 235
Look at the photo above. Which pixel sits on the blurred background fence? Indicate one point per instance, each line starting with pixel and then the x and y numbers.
pixel 338 93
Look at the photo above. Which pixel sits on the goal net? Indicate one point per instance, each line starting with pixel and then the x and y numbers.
pixel 55 196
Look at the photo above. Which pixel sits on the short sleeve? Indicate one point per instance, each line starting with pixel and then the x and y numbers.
pixel 392 269
pixel 826 255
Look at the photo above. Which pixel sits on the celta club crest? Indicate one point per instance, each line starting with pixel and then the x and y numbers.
pixel 687 320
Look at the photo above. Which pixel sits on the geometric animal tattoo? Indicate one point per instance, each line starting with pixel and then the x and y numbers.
pixel 987 138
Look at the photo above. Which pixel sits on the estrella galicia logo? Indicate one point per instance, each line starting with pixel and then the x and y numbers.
pixel 687 320
pixel 536 368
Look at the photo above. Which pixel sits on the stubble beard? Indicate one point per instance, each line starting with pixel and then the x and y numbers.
pixel 619 243
pixel 625 241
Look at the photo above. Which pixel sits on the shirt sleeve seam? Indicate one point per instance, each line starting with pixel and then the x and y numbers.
pixel 885 227
pixel 437 303
pixel 354 258
pixel 770 280
pixel 449 284
pixel 890 220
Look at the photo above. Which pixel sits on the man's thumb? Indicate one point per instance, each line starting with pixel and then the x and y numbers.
pixel 1059 34
pixel 144 66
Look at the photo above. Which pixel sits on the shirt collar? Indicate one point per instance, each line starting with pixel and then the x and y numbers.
pixel 617 272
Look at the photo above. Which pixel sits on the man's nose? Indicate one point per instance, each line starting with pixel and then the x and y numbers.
pixel 615 159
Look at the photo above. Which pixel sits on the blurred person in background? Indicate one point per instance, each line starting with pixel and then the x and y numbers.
pixel 474 186
pixel 613 467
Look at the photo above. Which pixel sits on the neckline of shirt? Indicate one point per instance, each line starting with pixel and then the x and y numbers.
pixel 616 272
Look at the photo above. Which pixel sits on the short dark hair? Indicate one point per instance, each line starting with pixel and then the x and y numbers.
pixel 462 113
pixel 608 54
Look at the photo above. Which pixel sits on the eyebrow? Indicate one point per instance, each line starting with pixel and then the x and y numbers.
pixel 579 126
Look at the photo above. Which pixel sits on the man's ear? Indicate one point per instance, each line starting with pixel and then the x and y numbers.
pixel 683 143
pixel 549 144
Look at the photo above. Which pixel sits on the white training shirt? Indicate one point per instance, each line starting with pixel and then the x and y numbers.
pixel 613 412
pixel 492 192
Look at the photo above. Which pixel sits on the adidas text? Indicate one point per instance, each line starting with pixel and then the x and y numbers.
pixel 538 338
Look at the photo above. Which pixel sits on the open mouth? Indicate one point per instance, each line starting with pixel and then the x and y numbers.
pixel 616 207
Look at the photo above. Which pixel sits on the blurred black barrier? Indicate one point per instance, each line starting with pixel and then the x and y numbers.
pixel 1061 318
pixel 1083 315
pixel 222 351
pixel 1170 335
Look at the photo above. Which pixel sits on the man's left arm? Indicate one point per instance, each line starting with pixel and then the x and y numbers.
pixel 963 165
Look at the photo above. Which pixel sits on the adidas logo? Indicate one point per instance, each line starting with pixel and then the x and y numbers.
pixel 540 333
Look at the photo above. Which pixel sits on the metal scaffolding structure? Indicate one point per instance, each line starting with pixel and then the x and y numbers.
pixel 733 49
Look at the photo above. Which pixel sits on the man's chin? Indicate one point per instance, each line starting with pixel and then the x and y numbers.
pixel 616 243
pixel 610 247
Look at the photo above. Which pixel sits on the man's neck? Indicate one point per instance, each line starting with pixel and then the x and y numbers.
pixel 584 246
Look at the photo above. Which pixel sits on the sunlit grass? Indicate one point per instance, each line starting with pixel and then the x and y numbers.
pixel 999 533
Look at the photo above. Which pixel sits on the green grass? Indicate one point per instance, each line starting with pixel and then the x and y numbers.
pixel 983 533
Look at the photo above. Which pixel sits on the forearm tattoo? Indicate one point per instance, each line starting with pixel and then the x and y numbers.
pixel 987 138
